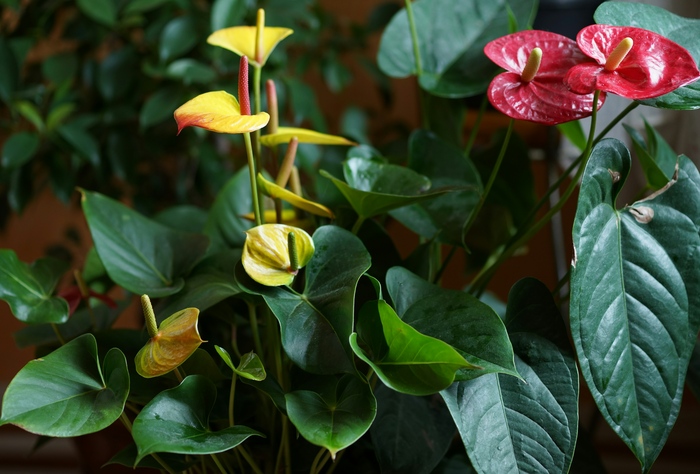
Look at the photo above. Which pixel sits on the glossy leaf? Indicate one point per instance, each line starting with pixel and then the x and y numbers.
pixel 532 424
pixel 177 339
pixel 267 253
pixel 285 134
pixel 634 305
pixel 657 158
pixel 18 149
pixel 177 421
pixel 28 289
pixel 676 28
pixel 278 192
pixel 335 418
pixel 545 98
pixel 159 107
pixel 373 188
pixel 225 13
pixel 317 323
pixel 82 141
pixel 190 71
pixel 451 38
pixel 141 6
pixel 225 226
pixel 410 434
pixel 102 11
pixel 179 36
pixel 241 40
pixel 219 112
pixel 250 366
pixel 152 258
pixel 455 317
pixel 444 217
pixel 640 75
pixel 403 358
pixel 83 399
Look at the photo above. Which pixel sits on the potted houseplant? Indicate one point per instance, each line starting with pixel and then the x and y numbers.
pixel 284 332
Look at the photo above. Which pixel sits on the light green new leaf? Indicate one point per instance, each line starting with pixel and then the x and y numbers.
pixel 317 323
pixel 139 254
pixel 177 421
pixel 336 417
pixel 28 289
pixel 635 297
pixel 65 393
pixel 250 366
pixel 403 358
pixel 532 423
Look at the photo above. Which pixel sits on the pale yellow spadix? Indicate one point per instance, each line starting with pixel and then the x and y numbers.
pixel 284 134
pixel 218 111
pixel 242 41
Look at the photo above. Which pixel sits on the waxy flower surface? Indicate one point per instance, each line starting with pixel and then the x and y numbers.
pixel 218 111
pixel 630 62
pixel 535 91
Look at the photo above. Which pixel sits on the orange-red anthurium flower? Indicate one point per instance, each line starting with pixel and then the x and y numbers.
pixel 532 87
pixel 630 62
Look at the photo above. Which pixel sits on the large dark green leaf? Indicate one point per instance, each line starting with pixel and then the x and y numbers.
pixel 445 165
pixel 225 226
pixel 317 323
pixel 411 434
pixel 635 297
pixel 456 318
pixel 451 39
pixel 532 423
pixel 403 358
pixel 139 254
pixel 336 416
pixel 65 393
pixel 683 31
pixel 28 289
pixel 177 421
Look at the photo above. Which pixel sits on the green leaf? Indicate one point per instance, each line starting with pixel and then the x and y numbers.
pixel 10 71
pixel 81 140
pixel 139 254
pixel 29 111
pixel 127 457
pixel 60 67
pixel 574 132
pixel 203 289
pixel 635 303
pixel 403 358
pixel 117 74
pixel 444 217
pixel 410 434
pixel 336 417
pixel 457 318
pixel 375 188
pixel 177 421
pixel 250 366
pixel 102 11
pixel 676 28
pixel 225 226
pixel 28 289
pixel 316 324
pixel 18 149
pixel 451 38
pixel 532 424
pixel 657 158
pixel 83 399
pixel 225 13
pixel 141 6
pixel 190 71
pixel 178 37
pixel 159 107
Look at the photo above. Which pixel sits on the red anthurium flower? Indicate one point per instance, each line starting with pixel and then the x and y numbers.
pixel 631 62
pixel 533 87
pixel 73 296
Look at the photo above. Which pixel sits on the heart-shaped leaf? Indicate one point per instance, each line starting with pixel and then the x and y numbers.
pixel 404 359
pixel 455 317
pixel 532 424
pixel 316 324
pixel 635 297
pixel 176 340
pixel 177 421
pixel 410 434
pixel 65 394
pixel 139 254
pixel 451 39
pixel 250 366
pixel 676 28
pixel 335 418
pixel 225 226
pixel 28 289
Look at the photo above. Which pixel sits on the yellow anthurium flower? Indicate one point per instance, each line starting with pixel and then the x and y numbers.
pixel 218 111
pixel 284 134
pixel 174 342
pixel 266 256
pixel 274 191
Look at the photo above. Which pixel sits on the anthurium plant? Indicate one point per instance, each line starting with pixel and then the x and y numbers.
pixel 284 331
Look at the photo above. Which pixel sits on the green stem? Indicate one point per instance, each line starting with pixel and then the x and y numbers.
pixel 248 459
pixel 319 461
pixel 163 464
pixel 358 223
pixel 477 124
pixel 253 181
pixel 442 268
pixel 57 331
pixel 231 396
pixel 491 180
pixel 414 37
pixel 218 463
pixel 255 329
